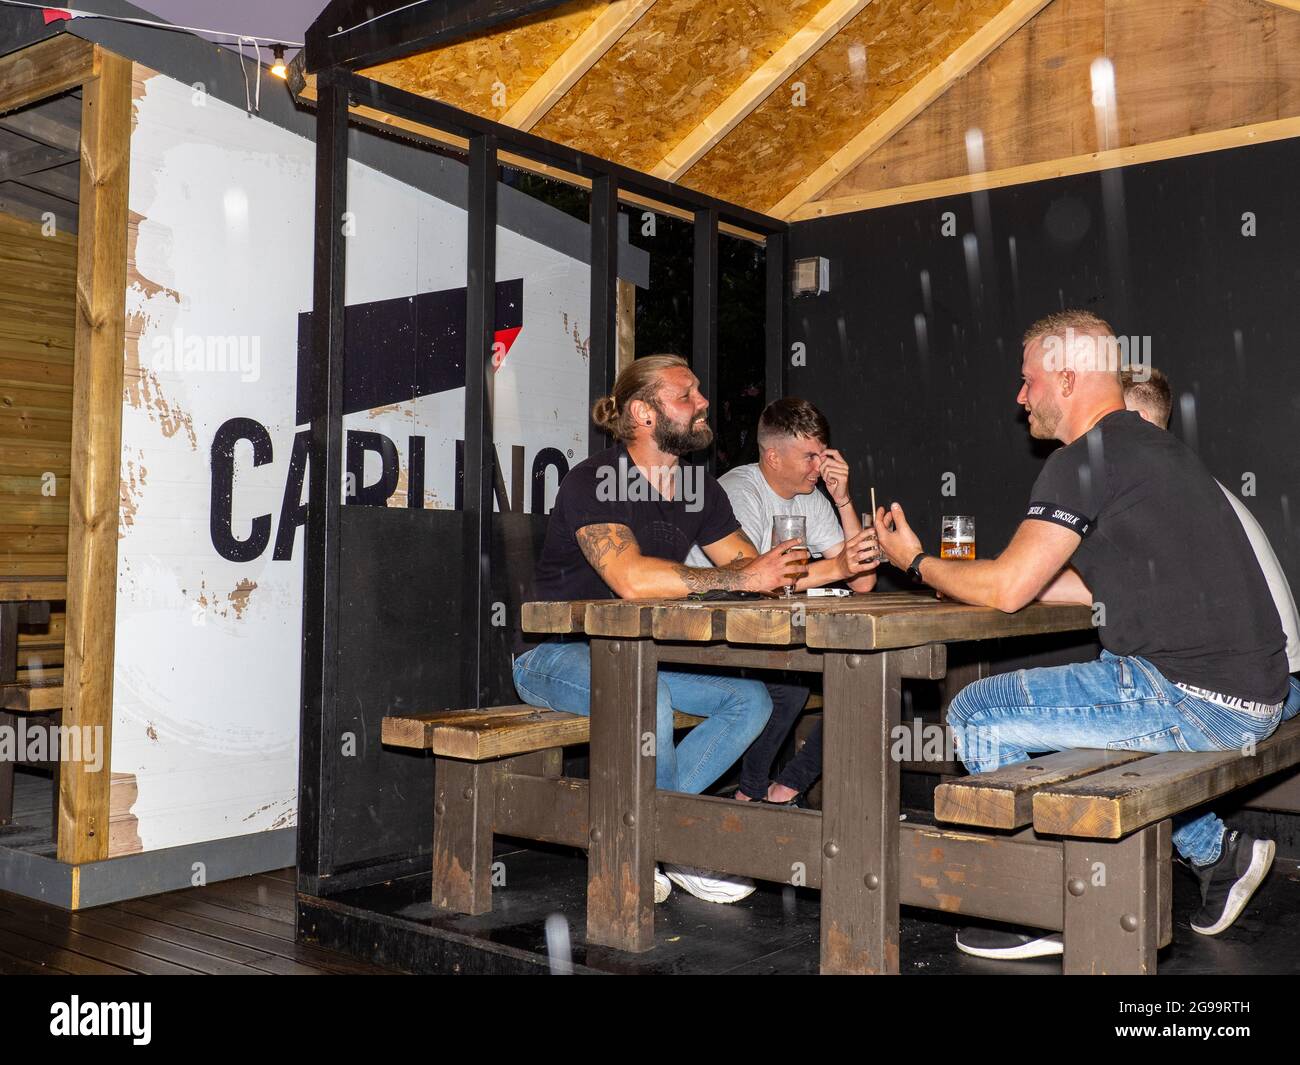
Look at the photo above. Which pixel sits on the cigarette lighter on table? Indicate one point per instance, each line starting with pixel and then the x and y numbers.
pixel 828 591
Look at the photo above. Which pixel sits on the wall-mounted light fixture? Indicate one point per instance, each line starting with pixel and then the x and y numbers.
pixel 811 277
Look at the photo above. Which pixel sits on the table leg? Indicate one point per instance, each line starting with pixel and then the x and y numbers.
pixel 8 674
pixel 620 858
pixel 859 918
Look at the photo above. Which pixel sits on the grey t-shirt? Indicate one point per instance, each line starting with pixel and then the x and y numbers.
pixel 755 504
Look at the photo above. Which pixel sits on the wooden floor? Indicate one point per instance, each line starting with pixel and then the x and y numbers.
pixel 242 926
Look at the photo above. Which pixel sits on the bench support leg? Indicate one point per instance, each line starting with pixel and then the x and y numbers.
pixel 463 804
pixel 859 922
pixel 1115 893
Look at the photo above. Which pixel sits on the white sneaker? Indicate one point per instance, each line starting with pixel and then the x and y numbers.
pixel 663 886
pixel 709 886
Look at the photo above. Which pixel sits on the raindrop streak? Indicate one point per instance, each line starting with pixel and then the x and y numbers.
pixel 1015 269
pixel 971 247
pixel 927 298
pixel 922 339
pixel 975 164
pixel 1187 408
pixel 1286 513
pixel 1240 348
pixel 559 951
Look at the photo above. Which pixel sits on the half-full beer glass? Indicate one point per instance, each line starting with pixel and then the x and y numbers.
pixel 789 527
pixel 958 539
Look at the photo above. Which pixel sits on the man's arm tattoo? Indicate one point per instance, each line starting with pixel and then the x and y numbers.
pixel 601 544
pixel 722 578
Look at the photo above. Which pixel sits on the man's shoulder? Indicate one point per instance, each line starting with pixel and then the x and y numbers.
pixel 741 477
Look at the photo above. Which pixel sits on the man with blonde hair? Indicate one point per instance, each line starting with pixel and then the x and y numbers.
pixel 1123 518
pixel 623 523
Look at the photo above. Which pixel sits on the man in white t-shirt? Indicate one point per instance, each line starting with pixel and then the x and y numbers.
pixel 1153 400
pixel 793 456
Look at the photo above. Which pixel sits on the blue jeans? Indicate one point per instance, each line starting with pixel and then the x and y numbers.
pixel 1116 703
pixel 557 675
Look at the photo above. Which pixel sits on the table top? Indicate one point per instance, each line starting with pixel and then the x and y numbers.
pixel 24 588
pixel 865 622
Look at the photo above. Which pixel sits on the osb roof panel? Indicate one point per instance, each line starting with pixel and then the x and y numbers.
pixel 1179 71
pixel 515 54
pixel 673 67
pixel 869 64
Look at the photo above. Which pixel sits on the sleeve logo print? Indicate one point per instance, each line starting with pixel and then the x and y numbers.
pixel 1061 516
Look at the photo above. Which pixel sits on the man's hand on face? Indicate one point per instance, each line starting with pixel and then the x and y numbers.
pixel 835 475
pixel 897 540
pixel 861 555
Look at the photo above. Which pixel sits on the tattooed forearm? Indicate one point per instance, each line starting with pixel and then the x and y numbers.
pixel 707 580
pixel 601 544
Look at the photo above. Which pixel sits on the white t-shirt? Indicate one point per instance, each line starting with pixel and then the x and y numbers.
pixel 1277 584
pixel 756 504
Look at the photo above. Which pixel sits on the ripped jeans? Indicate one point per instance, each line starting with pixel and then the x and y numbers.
pixel 1118 703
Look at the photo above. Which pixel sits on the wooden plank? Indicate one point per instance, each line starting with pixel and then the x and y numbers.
pixel 1087 163
pixel 35 696
pixel 1113 903
pixel 46 69
pixel 1004 798
pixel 562 617
pixel 796 659
pixel 96 451
pixel 54 122
pixel 938 622
pixel 497 732
pixel 464 802
pixel 626 310
pixel 1115 803
pixel 1003 878
pixel 780 624
pixel 692 622
pixel 624 618
pixel 551 810
pixel 922 93
pixel 18 588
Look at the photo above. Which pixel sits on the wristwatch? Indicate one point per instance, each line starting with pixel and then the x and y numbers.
pixel 914 570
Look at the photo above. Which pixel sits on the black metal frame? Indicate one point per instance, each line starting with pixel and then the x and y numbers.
pixel 338 89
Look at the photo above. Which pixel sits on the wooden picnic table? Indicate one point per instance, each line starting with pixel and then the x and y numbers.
pixel 853 849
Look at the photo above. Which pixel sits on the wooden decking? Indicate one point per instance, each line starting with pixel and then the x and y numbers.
pixel 242 926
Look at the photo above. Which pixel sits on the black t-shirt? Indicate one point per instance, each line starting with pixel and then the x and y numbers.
pixel 1166 557
pixel 609 489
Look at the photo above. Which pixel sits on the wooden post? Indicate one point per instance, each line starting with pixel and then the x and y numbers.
pixel 464 801
pixel 620 858
pixel 859 922
pixel 82 830
pixel 1114 896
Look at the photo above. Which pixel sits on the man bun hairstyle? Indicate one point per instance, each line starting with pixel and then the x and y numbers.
pixel 640 379
pixel 791 417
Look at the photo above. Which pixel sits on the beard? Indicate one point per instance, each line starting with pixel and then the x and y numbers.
pixel 677 438
pixel 1047 416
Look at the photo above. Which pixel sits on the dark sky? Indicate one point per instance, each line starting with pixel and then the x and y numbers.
pixel 282 19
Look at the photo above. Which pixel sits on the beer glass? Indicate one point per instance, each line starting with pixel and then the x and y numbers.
pixel 958 539
pixel 788 527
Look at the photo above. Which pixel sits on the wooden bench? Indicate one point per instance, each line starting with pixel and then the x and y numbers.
pixel 1111 811
pixel 497 771
pixel 27 687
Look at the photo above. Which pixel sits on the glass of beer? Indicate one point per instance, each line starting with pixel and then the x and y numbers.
pixel 958 539
pixel 788 527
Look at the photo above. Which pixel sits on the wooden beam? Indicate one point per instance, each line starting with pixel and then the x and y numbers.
pixel 54 123
pixel 419 131
pixel 1290 5
pixel 16 163
pixel 1217 140
pixel 928 89
pixel 756 88
pixel 46 69
pixel 83 834
pixel 597 39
